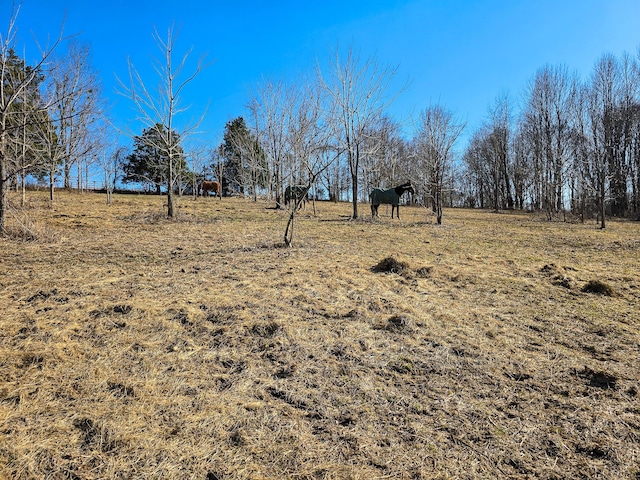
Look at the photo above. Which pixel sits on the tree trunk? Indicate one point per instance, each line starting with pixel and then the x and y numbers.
pixel 67 175
pixel 354 193
pixel 3 190
pixel 51 184
pixel 602 205
pixel 170 210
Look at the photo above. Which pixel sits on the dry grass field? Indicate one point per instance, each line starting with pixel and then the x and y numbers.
pixel 136 347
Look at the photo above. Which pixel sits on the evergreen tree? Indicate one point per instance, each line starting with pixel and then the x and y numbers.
pixel 149 162
pixel 25 119
pixel 245 164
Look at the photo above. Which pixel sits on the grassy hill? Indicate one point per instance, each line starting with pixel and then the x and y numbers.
pixel 493 346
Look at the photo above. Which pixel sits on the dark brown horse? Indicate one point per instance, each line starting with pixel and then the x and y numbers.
pixel 215 187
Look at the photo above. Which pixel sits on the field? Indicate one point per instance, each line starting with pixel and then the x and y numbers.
pixel 493 346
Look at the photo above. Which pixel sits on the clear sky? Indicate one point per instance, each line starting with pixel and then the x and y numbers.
pixel 461 54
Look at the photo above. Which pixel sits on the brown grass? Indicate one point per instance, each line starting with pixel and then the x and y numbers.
pixel 136 347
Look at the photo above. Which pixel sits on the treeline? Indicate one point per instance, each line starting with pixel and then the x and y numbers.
pixel 571 147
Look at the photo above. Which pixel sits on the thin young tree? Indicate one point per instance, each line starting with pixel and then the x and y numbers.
pixel 357 95
pixel 308 140
pixel 270 106
pixel 159 109
pixel 27 144
pixel 437 134
pixel 110 160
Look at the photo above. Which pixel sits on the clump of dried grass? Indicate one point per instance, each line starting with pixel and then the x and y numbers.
pixel 399 323
pixel 558 275
pixel 598 287
pixel 22 227
pixel 391 265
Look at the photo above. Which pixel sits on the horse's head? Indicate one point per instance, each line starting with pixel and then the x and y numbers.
pixel 405 187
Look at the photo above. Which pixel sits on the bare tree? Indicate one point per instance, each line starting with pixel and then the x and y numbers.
pixel 270 107
pixel 110 161
pixel 158 110
pixel 548 117
pixel 357 97
pixel 52 152
pixel 522 174
pixel 196 160
pixel 384 155
pixel 308 139
pixel 307 135
pixel 500 148
pixel 625 115
pixel 75 91
pixel 437 134
pixel 600 106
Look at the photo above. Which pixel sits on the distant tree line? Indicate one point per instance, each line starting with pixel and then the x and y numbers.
pixel 571 147
pixel 574 147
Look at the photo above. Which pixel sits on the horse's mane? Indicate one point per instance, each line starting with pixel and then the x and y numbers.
pixel 400 189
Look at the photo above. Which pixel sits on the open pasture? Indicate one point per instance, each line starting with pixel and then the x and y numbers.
pixel 136 347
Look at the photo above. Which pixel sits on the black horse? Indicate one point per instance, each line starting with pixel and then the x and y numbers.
pixel 390 197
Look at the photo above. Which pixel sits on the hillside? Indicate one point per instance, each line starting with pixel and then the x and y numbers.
pixel 136 347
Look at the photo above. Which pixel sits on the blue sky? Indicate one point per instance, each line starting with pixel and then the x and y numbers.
pixel 461 54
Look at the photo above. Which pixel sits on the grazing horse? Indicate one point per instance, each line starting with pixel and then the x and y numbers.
pixel 390 196
pixel 293 193
pixel 214 187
